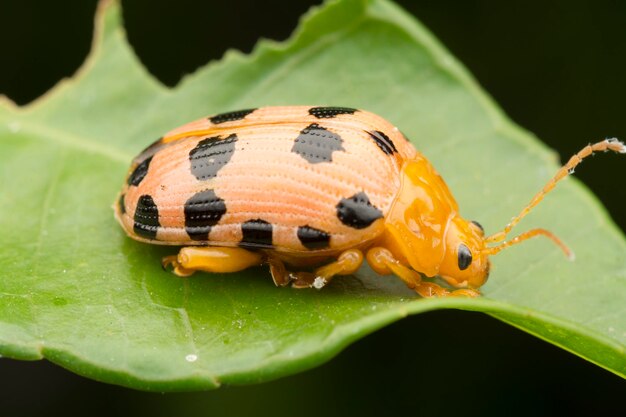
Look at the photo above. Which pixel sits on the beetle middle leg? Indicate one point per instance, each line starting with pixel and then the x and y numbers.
pixel 348 262
pixel 383 262
pixel 211 259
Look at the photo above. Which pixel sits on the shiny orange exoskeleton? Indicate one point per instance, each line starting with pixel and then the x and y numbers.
pixel 299 187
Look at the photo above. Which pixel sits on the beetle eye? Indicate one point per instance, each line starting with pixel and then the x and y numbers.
pixel 465 257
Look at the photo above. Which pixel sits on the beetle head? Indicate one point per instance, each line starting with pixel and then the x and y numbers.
pixel 465 262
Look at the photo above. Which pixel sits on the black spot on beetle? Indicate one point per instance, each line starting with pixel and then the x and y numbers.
pixel 316 144
pixel 230 116
pixel 146 218
pixel 139 173
pixel 256 234
pixel 329 112
pixel 203 211
pixel 121 204
pixel 210 155
pixel 383 141
pixel 312 238
pixel 357 211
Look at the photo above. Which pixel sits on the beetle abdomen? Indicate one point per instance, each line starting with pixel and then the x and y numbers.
pixel 284 178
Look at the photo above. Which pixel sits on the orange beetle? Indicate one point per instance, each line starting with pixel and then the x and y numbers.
pixel 308 186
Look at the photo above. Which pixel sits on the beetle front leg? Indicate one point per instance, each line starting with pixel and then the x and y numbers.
pixel 383 262
pixel 211 259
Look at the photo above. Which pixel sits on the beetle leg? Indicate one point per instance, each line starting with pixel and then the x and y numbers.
pixel 280 275
pixel 176 266
pixel 383 262
pixel 211 259
pixel 302 279
pixel 348 262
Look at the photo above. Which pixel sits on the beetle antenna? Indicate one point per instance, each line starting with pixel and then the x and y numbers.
pixel 609 144
pixel 530 234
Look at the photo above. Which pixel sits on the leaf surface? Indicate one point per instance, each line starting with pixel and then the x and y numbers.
pixel 77 291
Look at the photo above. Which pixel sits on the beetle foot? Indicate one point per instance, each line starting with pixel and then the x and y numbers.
pixel 432 290
pixel 465 292
pixel 176 267
pixel 306 280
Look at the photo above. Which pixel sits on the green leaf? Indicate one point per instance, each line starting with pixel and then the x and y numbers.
pixel 77 291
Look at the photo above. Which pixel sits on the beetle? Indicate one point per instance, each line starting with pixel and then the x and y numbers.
pixel 298 187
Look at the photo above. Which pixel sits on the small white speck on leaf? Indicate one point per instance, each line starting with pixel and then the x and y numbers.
pixel 191 357
pixel 14 127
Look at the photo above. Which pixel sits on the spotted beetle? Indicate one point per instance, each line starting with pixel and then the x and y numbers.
pixel 309 186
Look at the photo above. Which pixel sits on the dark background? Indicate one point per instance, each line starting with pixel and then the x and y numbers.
pixel 557 69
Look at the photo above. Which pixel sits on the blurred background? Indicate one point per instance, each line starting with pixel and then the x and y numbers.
pixel 556 68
